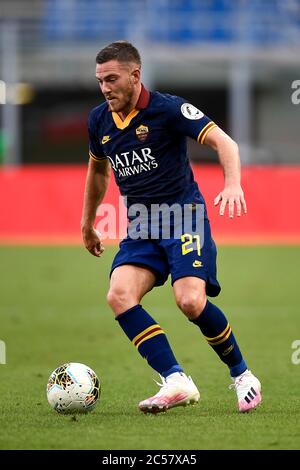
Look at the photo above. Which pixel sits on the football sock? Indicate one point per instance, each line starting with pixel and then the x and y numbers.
pixel 149 339
pixel 217 331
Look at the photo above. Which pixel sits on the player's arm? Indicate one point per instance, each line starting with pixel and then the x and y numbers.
pixel 95 188
pixel 229 158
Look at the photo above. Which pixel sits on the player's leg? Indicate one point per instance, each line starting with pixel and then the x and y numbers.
pixel 192 261
pixel 129 283
pixel 190 295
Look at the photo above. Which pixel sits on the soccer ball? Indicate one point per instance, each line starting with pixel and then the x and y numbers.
pixel 73 388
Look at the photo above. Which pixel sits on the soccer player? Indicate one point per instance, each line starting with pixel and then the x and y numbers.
pixel 142 136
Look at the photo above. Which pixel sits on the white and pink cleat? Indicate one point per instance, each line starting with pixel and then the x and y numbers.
pixel 176 390
pixel 248 390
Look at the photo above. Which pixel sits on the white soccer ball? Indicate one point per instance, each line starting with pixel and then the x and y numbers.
pixel 73 388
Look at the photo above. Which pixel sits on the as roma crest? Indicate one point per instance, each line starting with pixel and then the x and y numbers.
pixel 142 133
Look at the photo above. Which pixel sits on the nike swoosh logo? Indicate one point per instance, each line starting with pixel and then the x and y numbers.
pixel 197 264
pixel 105 139
pixel 228 350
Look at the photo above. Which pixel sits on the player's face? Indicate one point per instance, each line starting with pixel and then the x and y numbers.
pixel 118 84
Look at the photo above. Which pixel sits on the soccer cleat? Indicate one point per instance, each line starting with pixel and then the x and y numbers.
pixel 176 390
pixel 248 390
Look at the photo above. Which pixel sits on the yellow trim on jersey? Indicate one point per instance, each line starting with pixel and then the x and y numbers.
pixel 97 159
pixel 122 124
pixel 205 134
pixel 206 129
pixel 159 332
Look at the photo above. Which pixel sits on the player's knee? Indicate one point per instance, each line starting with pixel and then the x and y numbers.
pixel 191 304
pixel 120 300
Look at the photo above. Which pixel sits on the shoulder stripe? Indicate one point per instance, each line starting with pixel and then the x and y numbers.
pixel 206 129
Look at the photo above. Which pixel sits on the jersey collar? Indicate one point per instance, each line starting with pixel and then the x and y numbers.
pixel 144 99
pixel 142 103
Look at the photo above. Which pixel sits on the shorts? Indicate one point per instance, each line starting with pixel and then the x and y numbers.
pixel 192 253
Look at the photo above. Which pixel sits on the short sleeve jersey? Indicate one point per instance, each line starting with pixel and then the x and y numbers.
pixel 148 150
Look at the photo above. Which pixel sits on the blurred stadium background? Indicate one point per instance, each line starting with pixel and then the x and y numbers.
pixel 237 61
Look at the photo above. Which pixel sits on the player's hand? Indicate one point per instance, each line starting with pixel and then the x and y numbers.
pixel 233 196
pixel 92 241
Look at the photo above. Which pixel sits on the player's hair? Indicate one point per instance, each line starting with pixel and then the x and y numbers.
pixel 122 51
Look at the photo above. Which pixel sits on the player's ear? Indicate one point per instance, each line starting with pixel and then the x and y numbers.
pixel 135 75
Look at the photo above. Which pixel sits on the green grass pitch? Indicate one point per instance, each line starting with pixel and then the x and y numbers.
pixel 53 310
